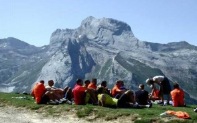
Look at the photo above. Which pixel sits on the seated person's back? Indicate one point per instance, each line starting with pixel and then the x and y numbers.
pixel 177 95
pixel 38 92
pixel 141 96
pixel 116 90
pixel 93 84
pixel 50 85
pixel 79 93
pixel 105 88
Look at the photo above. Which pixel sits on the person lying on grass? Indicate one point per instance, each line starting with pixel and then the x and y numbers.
pixel 126 100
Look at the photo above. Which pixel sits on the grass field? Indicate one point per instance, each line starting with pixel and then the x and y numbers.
pixel 91 113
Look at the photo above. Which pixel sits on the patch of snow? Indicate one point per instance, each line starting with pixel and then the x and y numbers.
pixel 7 89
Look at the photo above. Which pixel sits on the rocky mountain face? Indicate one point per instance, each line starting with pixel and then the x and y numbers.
pixel 105 49
pixel 20 64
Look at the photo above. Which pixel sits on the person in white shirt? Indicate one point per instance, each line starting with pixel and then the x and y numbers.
pixel 164 84
pixel 60 93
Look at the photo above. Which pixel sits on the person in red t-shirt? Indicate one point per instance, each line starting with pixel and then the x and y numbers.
pixel 83 95
pixel 177 95
pixel 79 93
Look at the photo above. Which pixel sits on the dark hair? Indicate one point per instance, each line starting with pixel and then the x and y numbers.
pixel 50 81
pixel 79 81
pixel 87 81
pixel 141 86
pixel 104 83
pixel 118 81
pixel 94 79
pixel 176 85
pixel 42 81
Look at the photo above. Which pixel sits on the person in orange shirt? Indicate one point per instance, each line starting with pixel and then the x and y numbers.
pixel 38 92
pixel 93 84
pixel 177 95
pixel 42 96
pixel 92 88
pixel 116 90
pixel 154 95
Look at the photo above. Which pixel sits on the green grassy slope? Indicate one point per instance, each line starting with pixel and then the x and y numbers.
pixel 92 113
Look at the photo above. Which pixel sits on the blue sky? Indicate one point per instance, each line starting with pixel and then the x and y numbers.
pixel 161 21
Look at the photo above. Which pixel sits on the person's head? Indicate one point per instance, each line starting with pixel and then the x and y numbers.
pixel 141 86
pixel 118 83
pixel 87 82
pixel 79 82
pixel 176 85
pixel 42 81
pixel 50 83
pixel 94 81
pixel 104 83
pixel 121 83
pixel 149 81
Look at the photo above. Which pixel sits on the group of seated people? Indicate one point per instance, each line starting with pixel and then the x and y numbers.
pixel 50 94
pixel 90 92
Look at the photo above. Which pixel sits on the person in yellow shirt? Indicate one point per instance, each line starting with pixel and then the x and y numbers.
pixel 126 100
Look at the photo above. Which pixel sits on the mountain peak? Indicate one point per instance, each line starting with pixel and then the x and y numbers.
pixel 180 43
pixel 107 23
pixel 103 31
pixel 14 43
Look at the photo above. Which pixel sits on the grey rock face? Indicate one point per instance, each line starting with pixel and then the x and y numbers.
pixel 19 64
pixel 107 49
